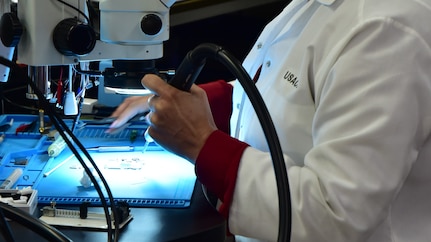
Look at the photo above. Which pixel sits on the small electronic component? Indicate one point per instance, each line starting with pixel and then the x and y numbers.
pixel 22 161
pixel 133 135
pixel 82 217
pixel 52 211
pixel 41 121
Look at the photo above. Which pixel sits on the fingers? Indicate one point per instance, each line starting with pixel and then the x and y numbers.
pixel 149 102
pixel 179 121
pixel 152 102
pixel 132 106
pixel 123 106
pixel 156 85
pixel 122 119
pixel 128 109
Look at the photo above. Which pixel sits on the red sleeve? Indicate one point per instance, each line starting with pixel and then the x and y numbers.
pixel 220 99
pixel 218 161
pixel 217 166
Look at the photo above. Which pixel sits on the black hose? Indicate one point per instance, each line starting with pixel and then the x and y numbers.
pixel 65 133
pixel 5 229
pixel 184 78
pixel 45 230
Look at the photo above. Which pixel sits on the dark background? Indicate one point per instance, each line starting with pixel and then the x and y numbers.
pixel 236 32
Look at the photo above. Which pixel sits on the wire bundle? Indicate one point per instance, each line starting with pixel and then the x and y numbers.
pixel 65 132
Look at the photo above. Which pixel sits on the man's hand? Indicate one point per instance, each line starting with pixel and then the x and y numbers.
pixel 179 121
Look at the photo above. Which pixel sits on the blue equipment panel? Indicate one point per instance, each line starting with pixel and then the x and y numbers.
pixel 150 178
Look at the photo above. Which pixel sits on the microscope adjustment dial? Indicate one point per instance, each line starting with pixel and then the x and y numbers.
pixel 10 30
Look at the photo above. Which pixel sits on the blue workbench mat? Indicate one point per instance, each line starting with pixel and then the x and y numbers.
pixel 154 178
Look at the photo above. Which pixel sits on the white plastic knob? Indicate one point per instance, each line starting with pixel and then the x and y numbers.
pixel 70 105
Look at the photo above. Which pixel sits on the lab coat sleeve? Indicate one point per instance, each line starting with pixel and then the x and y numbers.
pixel 219 95
pixel 370 122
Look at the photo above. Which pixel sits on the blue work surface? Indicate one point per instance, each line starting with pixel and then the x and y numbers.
pixel 154 178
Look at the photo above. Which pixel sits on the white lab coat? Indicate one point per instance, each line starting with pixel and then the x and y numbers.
pixel 348 85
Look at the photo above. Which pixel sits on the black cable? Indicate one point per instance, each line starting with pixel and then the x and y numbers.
pixel 4 98
pixel 90 174
pixel 61 127
pixel 273 143
pixel 65 133
pixel 185 76
pixel 18 105
pixel 5 228
pixel 45 230
pixel 76 9
pixel 13 89
pixel 93 14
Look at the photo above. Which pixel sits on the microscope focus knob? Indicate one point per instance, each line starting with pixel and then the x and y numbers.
pixel 74 38
pixel 10 30
pixel 151 24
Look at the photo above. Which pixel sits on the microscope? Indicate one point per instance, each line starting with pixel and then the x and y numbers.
pixel 124 36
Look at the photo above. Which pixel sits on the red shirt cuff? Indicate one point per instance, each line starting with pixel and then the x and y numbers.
pixel 217 166
pixel 219 95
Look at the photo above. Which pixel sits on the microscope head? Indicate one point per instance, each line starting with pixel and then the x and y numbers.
pixel 72 31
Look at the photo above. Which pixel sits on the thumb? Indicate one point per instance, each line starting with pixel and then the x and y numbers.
pixel 155 84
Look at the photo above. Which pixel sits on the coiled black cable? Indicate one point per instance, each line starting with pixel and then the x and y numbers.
pixel 184 78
